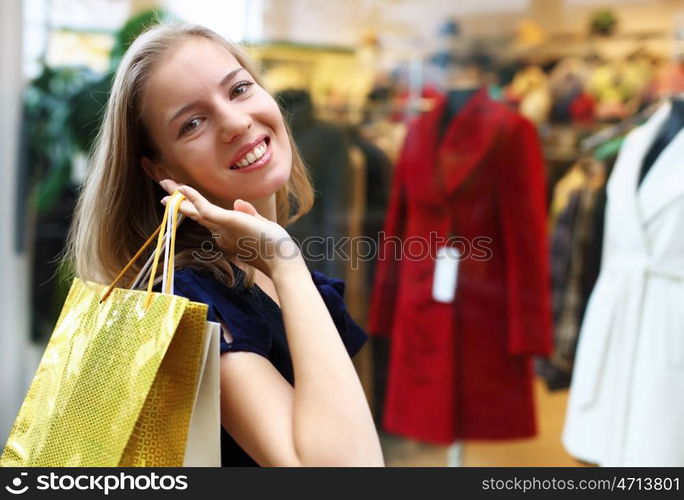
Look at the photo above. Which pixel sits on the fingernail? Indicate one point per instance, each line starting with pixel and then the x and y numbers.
pixel 164 200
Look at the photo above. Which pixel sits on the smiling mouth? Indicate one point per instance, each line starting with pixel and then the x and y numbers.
pixel 252 156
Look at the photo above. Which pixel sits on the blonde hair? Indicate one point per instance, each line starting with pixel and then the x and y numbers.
pixel 118 206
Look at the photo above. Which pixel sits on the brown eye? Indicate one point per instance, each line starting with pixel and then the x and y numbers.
pixel 190 125
pixel 240 89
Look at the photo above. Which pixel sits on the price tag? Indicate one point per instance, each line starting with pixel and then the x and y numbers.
pixel 446 274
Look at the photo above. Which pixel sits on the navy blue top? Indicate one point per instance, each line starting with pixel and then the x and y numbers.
pixel 256 324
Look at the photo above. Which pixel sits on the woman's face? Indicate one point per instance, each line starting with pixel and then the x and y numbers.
pixel 213 126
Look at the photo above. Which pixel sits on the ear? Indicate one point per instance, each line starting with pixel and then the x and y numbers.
pixel 153 169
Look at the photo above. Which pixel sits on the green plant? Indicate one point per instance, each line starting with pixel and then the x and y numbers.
pixel 603 22
pixel 62 114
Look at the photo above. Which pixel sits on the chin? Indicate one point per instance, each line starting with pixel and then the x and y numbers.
pixel 270 184
pixel 277 178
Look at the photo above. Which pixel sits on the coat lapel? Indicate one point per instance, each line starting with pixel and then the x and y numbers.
pixel 420 155
pixel 665 180
pixel 622 187
pixel 470 137
pixel 437 168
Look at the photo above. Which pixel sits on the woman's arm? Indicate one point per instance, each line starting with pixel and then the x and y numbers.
pixel 324 420
pixel 332 423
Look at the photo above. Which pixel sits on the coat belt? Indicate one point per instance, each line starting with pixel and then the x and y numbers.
pixel 616 308
pixel 620 285
pixel 665 267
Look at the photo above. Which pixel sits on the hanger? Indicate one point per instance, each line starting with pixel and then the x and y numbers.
pixel 621 128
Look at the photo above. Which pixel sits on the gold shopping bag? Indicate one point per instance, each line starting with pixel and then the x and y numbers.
pixel 120 379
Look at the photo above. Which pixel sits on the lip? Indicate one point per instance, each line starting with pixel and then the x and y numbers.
pixel 257 164
pixel 246 149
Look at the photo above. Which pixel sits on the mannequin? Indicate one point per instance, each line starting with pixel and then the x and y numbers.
pixel 460 364
pixel 456 99
pixel 463 80
pixel 460 359
pixel 462 77
pixel 461 67
pixel 673 124
pixel 621 411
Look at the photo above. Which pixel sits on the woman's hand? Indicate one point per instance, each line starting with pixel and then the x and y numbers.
pixel 241 233
pixel 324 420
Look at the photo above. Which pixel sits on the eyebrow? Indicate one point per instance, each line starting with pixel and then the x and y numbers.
pixel 192 104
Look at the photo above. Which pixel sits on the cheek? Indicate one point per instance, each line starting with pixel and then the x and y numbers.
pixel 283 137
pixel 286 154
pixel 271 113
pixel 279 174
pixel 196 152
pixel 274 118
pixel 282 154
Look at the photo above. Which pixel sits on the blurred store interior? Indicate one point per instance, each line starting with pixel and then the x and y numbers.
pixel 565 81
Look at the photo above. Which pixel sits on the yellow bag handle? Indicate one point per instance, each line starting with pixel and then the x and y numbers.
pixel 169 253
pixel 175 201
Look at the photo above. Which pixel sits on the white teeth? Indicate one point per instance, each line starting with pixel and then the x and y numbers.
pixel 252 156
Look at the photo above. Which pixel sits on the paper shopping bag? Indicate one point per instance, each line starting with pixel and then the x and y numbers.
pixel 204 436
pixel 160 433
pixel 118 380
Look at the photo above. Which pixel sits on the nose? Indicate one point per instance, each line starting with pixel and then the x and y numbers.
pixel 233 122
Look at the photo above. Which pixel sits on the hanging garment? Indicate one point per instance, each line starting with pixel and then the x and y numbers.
pixel 378 173
pixel 625 407
pixel 571 267
pixel 325 151
pixel 530 90
pixel 462 370
pixel 567 79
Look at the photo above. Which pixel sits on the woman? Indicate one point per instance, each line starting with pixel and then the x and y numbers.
pixel 187 112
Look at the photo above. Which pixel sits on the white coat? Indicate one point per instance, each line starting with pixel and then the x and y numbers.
pixel 626 405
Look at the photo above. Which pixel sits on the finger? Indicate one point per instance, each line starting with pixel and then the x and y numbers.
pixel 189 210
pixel 204 208
pixel 169 185
pixel 186 208
pixel 245 207
pixel 214 217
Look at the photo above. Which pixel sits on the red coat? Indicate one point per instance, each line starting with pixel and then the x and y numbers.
pixel 463 370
